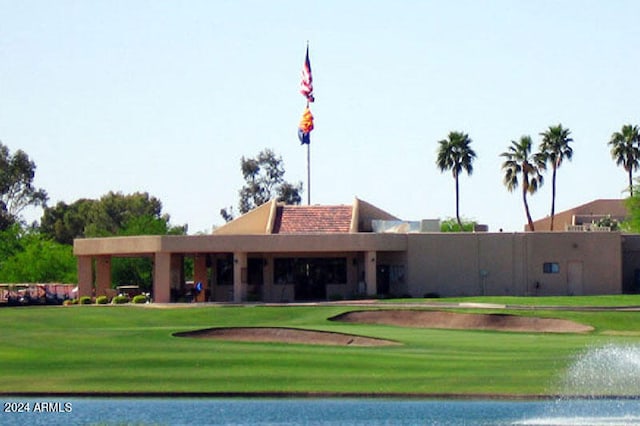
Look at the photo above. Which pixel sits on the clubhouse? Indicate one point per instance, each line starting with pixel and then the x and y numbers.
pixel 283 253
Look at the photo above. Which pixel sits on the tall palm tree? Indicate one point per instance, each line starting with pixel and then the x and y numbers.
pixel 555 149
pixel 625 149
pixel 455 154
pixel 520 161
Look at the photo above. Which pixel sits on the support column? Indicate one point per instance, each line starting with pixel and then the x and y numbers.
pixel 162 278
pixel 103 275
pixel 85 276
pixel 240 272
pixel 268 291
pixel 370 272
pixel 200 275
pixel 177 272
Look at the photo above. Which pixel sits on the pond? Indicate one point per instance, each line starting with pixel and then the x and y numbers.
pixel 220 411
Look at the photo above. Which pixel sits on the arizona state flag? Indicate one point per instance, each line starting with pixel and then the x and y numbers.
pixel 305 127
pixel 306 83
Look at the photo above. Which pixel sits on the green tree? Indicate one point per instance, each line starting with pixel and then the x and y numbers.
pixel 39 260
pixel 555 148
pixel 264 180
pixel 520 162
pixel 455 154
pixel 65 222
pixel 10 241
pixel 17 192
pixel 114 213
pixel 109 215
pixel 632 224
pixel 625 150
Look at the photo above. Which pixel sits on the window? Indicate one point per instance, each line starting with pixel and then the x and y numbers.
pixel 551 268
pixel 329 270
pixel 224 270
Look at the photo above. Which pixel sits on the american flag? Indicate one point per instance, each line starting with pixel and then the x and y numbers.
pixel 306 84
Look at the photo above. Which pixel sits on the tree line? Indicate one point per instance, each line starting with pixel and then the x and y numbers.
pixel 526 168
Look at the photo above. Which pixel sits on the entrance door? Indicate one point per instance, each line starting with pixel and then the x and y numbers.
pixel 574 278
pixel 310 280
pixel 255 278
pixel 383 279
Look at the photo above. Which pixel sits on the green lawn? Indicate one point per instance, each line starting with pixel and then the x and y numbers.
pixel 572 301
pixel 131 349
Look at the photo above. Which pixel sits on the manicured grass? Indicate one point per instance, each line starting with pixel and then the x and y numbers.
pixel 131 349
pixel 569 301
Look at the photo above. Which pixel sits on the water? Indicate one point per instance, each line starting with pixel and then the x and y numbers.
pixel 610 370
pixel 324 412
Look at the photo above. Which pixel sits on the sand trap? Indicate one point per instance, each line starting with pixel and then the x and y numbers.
pixel 285 335
pixel 401 318
pixel 451 320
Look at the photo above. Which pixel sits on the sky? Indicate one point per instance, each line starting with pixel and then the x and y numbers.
pixel 167 96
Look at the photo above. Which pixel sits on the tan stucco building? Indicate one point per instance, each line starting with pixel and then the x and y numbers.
pixel 583 216
pixel 279 253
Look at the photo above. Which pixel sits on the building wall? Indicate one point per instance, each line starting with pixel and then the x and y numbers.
pixel 449 264
pixel 445 264
pixel 499 273
pixel 597 257
pixel 513 264
pixel 256 221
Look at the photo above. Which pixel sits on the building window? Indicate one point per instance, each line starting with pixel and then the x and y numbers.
pixel 224 270
pixel 329 270
pixel 551 268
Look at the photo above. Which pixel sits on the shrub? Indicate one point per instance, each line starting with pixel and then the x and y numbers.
pixel 451 225
pixel 102 300
pixel 336 297
pixel 385 296
pixel 140 298
pixel 69 302
pixel 251 297
pixel 120 299
pixel 85 300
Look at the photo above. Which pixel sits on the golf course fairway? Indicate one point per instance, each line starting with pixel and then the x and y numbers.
pixel 134 350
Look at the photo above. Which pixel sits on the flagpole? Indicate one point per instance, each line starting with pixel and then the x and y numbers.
pixel 306 124
pixel 308 174
pixel 308 155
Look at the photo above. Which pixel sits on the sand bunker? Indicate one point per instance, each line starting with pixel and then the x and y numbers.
pixel 451 320
pixel 285 335
pixel 401 318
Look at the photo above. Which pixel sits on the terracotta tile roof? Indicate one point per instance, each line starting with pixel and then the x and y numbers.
pixel 312 219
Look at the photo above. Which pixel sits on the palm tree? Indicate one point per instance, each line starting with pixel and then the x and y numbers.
pixel 626 151
pixel 455 154
pixel 520 161
pixel 555 148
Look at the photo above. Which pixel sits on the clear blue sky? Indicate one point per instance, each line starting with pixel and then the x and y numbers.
pixel 166 96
